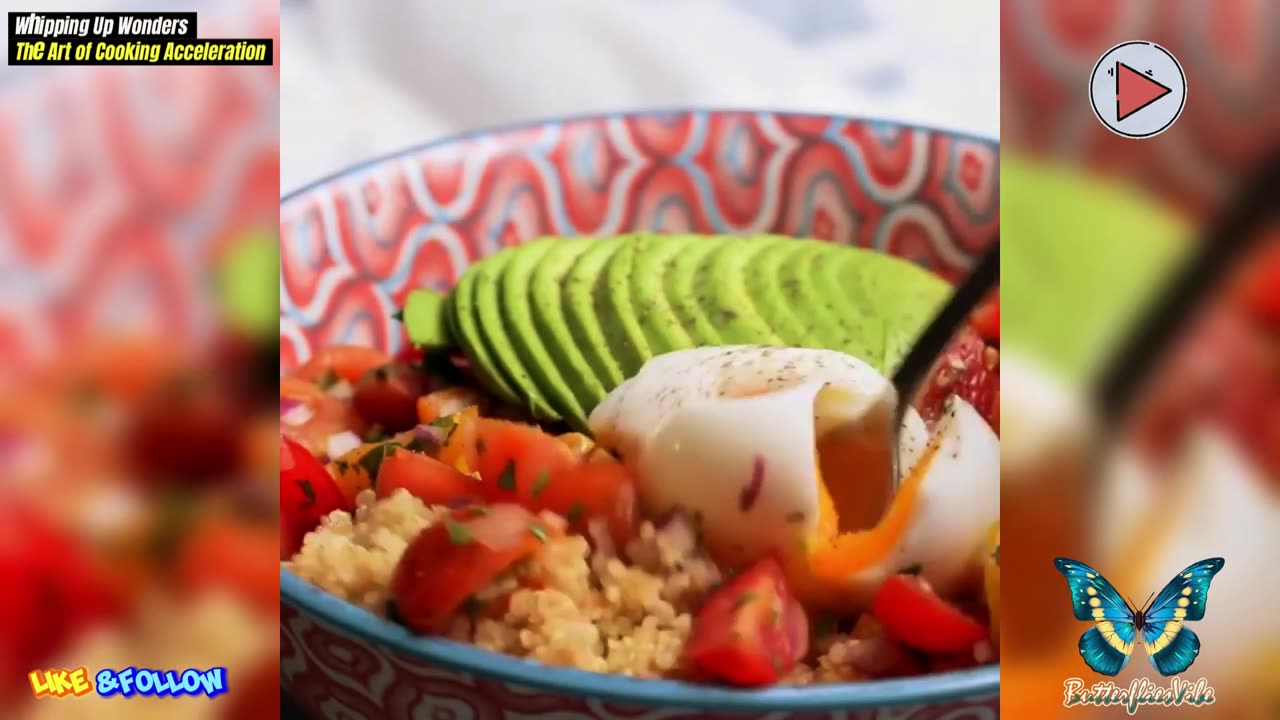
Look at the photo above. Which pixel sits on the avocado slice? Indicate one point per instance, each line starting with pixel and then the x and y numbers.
pixel 885 302
pixel 425 319
pixel 465 328
pixel 824 327
pixel 682 293
pixel 497 332
pixel 514 292
pixel 566 357
pixel 775 304
pixel 722 292
pixel 614 311
pixel 652 264
pixel 577 301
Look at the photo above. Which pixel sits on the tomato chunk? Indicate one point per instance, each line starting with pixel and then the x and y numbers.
pixel 307 494
pixel 343 362
pixel 388 396
pixel 752 631
pixel 522 464
pixel 913 614
pixel 986 319
pixel 424 477
pixel 310 416
pixel 452 560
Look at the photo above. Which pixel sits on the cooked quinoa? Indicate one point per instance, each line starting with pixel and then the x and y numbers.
pixel 592 609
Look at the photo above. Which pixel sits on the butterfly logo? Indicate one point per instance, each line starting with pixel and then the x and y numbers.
pixel 1171 646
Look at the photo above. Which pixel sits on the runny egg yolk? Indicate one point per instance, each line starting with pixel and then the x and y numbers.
pixel 831 556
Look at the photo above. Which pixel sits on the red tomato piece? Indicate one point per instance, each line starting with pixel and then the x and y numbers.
pixel 344 362
pixel 454 559
pixel 522 464
pixel 388 396
pixel 322 416
pixel 913 614
pixel 307 494
pixel 752 631
pixel 1258 289
pixel 986 319
pixel 426 478
pixel 968 368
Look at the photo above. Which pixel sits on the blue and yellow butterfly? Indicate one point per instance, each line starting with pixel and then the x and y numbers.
pixel 1171 646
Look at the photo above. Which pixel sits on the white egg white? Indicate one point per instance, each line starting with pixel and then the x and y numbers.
pixel 730 433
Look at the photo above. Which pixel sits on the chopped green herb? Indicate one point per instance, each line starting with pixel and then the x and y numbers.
pixel 540 483
pixel 507 480
pixel 446 423
pixel 375 434
pixel 459 534
pixel 398 316
pixel 308 491
pixel 776 616
pixel 382 374
pixel 480 446
pixel 996 555
pixel 913 569
pixel 327 380
pixel 372 460
pixel 539 532
pixel 575 512
pixel 743 599
pixel 341 466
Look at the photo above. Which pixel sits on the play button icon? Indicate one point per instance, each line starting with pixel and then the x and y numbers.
pixel 1137 89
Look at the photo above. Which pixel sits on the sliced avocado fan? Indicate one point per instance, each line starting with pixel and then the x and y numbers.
pixel 556 324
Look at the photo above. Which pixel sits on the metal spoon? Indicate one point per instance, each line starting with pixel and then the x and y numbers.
pixel 931 343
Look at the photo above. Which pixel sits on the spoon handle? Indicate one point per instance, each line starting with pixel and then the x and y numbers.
pixel 924 353
pixel 1228 240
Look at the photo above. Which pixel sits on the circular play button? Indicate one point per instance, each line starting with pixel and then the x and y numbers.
pixel 1137 89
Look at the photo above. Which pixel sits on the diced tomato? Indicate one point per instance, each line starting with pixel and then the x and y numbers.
pixel 425 478
pixel 388 396
pixel 307 494
pixel 450 401
pixel 969 369
pixel 522 464
pixel 752 631
pixel 913 614
pixel 986 319
pixel 343 362
pixel 454 559
pixel 321 415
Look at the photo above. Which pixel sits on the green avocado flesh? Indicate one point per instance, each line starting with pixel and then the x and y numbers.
pixel 556 324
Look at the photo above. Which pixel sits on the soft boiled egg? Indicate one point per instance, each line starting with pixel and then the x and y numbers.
pixel 785 451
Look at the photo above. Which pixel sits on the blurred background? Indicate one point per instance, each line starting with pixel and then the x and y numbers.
pixel 138 357
pixel 1093 224
pixel 368 78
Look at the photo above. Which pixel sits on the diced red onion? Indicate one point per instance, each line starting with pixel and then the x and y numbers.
pixel 432 435
pixel 294 412
pixel 340 444
pixel 751 491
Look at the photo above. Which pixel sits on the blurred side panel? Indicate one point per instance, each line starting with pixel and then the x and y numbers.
pixel 1093 223
pixel 138 361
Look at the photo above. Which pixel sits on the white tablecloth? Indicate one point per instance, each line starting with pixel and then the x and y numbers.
pixel 365 78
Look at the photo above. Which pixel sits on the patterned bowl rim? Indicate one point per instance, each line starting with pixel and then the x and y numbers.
pixel 461 657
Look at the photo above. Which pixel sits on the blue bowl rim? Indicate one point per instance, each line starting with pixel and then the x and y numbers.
pixel 460 657
pixel 518 125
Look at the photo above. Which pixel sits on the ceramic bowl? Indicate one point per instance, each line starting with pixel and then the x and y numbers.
pixel 354 244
